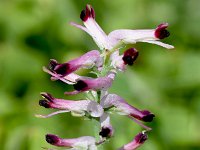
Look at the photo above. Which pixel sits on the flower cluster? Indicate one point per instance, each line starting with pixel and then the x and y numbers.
pixel 105 63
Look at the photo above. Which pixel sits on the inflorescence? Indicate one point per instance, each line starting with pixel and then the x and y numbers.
pixel 105 63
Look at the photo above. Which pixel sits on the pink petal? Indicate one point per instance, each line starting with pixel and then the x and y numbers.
pixel 79 107
pixel 137 142
pixel 85 142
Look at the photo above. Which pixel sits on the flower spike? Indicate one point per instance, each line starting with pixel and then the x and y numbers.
pixel 77 108
pixel 99 103
pixel 84 142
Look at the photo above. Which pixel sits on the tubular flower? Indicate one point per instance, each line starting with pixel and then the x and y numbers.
pixel 130 55
pixel 119 62
pixel 77 108
pixel 106 127
pixel 92 28
pixel 86 84
pixel 137 142
pixel 84 142
pixel 123 108
pixel 87 60
pixel 147 35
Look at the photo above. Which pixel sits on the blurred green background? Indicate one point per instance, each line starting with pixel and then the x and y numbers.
pixel 167 82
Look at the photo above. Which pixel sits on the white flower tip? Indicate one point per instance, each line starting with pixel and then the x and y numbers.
pixel 170 47
pixel 45 69
pixel 40 116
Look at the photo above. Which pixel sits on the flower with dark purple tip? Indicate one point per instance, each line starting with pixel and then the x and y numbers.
pixel 88 60
pixel 77 108
pixel 86 84
pixel 119 62
pixel 123 108
pixel 148 116
pixel 44 103
pixel 53 139
pixel 84 142
pixel 105 132
pixel 130 55
pixel 137 142
pixel 92 28
pixel 147 35
pixel 106 127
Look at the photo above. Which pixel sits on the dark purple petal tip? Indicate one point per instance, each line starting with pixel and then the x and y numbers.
pixel 105 132
pixel 141 138
pixel 44 103
pixel 83 15
pixel 161 31
pixel 80 85
pixel 92 12
pixel 87 13
pixel 52 139
pixel 47 96
pixel 148 116
pixel 130 56
pixel 62 69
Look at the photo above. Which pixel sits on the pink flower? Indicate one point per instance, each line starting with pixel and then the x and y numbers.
pixel 84 142
pixel 92 28
pixel 86 84
pixel 147 35
pixel 123 108
pixel 126 36
pixel 77 108
pixel 106 127
pixel 119 62
pixel 137 142
pixel 88 60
